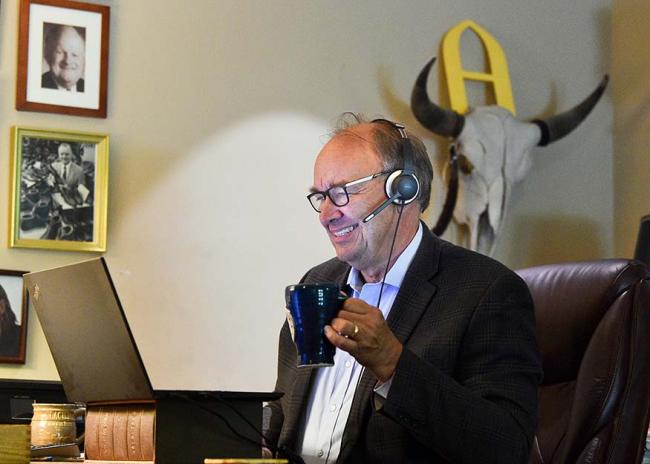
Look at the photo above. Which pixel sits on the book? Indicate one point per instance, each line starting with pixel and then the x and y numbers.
pixel 120 432
pixel 15 443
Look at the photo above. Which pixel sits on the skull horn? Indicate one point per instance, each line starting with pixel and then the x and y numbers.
pixel 556 127
pixel 439 120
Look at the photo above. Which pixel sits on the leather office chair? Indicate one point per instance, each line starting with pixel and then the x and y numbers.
pixel 593 326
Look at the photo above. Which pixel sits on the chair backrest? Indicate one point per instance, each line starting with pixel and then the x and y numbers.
pixel 593 328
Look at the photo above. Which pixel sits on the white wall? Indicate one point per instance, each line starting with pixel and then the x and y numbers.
pixel 216 111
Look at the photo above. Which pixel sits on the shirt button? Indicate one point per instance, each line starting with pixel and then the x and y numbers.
pixel 348 363
pixel 332 407
pixel 320 454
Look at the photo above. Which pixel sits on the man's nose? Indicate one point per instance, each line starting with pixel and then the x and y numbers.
pixel 329 211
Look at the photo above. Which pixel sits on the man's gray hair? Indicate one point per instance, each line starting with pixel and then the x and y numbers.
pixel 389 146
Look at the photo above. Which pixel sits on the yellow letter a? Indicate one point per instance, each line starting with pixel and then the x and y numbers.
pixel 456 75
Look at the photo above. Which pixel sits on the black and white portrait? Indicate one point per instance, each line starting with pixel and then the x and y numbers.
pixel 57 186
pixel 64 57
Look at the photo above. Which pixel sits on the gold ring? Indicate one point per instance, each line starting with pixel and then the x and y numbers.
pixel 356 331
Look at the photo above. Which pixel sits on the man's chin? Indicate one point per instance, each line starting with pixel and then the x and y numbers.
pixel 346 255
pixel 68 82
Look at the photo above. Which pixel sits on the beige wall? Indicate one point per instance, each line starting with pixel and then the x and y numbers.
pixel 216 110
pixel 631 96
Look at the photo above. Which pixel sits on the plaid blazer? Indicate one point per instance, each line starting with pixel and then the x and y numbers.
pixel 465 387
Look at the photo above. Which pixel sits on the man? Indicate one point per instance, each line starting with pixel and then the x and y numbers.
pixel 65 54
pixel 70 173
pixel 445 369
pixel 67 216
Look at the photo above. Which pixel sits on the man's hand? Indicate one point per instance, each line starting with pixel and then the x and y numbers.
pixel 360 329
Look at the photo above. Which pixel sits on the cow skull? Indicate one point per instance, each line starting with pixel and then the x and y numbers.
pixel 493 150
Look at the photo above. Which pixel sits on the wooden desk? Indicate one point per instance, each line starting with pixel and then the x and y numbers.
pixel 14 443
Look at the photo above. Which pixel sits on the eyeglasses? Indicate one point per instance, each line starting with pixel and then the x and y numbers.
pixel 339 194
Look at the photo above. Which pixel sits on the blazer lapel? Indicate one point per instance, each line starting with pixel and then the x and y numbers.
pixel 412 299
pixel 417 288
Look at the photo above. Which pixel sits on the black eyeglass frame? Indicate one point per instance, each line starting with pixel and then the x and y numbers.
pixel 328 192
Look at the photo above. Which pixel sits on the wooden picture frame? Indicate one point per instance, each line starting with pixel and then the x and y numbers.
pixel 63 57
pixel 13 317
pixel 59 190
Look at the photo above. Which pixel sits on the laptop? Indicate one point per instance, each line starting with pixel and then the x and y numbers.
pixel 90 339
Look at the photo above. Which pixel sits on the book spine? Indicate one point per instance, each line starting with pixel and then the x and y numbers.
pixel 91 436
pixel 148 434
pixel 134 428
pixel 120 433
pixel 106 416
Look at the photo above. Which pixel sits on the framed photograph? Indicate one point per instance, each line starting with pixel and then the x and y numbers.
pixel 63 57
pixel 13 317
pixel 59 190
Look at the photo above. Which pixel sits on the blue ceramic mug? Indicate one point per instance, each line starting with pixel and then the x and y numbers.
pixel 312 307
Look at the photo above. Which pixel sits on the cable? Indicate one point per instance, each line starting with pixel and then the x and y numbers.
pixel 217 396
pixel 390 254
pixel 217 414
pixel 293 457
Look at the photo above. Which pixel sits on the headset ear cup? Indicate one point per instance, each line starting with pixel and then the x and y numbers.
pixel 407 185
pixel 388 185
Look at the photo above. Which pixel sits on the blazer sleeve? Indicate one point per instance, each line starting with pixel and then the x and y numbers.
pixel 486 412
pixel 272 435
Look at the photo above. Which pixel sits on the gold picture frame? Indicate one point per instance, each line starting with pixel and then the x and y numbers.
pixel 58 190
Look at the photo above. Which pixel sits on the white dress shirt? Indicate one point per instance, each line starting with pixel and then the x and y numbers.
pixel 331 395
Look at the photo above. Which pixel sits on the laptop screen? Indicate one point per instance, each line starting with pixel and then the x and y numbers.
pixel 88 334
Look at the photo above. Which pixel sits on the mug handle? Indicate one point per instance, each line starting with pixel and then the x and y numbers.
pixel 80 411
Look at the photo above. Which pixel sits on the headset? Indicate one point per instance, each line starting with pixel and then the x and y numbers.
pixel 402 186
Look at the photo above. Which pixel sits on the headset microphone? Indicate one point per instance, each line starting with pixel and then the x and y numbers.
pixel 405 186
pixel 381 207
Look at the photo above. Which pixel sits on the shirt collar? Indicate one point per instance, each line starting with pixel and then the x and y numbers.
pixel 397 272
